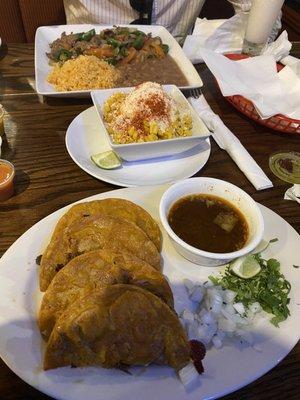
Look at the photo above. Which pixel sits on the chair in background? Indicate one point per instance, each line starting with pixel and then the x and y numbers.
pixel 19 19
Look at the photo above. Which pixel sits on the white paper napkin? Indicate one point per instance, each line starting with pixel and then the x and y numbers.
pixel 229 142
pixel 223 36
pixel 226 36
pixel 293 193
pixel 256 79
pixel 293 63
pixel 280 48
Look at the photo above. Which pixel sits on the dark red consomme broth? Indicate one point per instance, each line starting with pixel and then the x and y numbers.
pixel 209 223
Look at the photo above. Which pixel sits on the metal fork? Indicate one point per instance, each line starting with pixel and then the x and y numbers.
pixel 196 93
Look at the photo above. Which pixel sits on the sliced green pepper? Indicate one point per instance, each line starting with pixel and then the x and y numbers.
pixel 138 43
pixel 86 36
pixel 113 42
pixel 139 33
pixel 116 51
pixel 62 55
pixel 122 31
pixel 111 61
pixel 165 48
pixel 123 51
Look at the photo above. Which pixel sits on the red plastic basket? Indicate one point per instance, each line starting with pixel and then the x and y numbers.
pixel 278 122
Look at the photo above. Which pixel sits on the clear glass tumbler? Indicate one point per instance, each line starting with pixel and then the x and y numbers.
pixel 262 17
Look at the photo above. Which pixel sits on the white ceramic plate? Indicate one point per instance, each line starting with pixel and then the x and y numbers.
pixel 85 137
pixel 158 148
pixel 47 34
pixel 226 370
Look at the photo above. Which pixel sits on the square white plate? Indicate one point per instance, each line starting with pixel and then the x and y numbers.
pixel 47 34
pixel 158 148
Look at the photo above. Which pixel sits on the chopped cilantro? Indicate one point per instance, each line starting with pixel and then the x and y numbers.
pixel 269 287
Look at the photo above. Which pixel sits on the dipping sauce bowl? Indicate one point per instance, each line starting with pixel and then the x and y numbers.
pixel 7 173
pixel 226 191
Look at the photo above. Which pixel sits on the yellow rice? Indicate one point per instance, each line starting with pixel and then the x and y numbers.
pixel 83 73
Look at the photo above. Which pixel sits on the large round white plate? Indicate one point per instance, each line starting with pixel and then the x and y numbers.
pixel 85 137
pixel 225 370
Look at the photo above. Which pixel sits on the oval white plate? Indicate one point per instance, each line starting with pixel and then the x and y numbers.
pixel 85 137
pixel 226 370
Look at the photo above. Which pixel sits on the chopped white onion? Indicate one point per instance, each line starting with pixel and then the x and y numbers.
pixel 215 300
pixel 255 307
pixel 189 285
pixel 218 316
pixel 196 295
pixel 208 284
pixel 234 317
pixel 239 307
pixel 221 334
pixel 229 309
pixel 229 296
pixel 192 330
pixel 188 374
pixel 227 325
pixel 187 315
pixel 208 318
pixel 217 342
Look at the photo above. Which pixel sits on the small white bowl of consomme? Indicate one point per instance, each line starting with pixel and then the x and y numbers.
pixel 209 221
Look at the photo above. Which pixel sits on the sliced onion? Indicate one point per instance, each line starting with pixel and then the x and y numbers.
pixel 188 316
pixel 217 342
pixel 239 307
pixel 214 315
pixel 229 296
pixel 189 285
pixel 226 325
pixel 188 374
pixel 192 330
pixel 255 307
pixel 197 294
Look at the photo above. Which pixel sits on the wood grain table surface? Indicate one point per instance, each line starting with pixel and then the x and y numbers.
pixel 47 179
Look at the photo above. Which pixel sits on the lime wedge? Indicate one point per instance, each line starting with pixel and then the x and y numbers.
pixel 107 160
pixel 245 267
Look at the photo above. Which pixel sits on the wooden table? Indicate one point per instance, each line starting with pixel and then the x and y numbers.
pixel 47 179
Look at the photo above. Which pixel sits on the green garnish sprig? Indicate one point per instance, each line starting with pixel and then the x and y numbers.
pixel 269 287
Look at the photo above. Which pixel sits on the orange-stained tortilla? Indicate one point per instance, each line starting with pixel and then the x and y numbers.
pixel 56 255
pixel 115 326
pixel 97 269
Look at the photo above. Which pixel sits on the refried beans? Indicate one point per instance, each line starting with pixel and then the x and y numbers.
pixel 164 71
